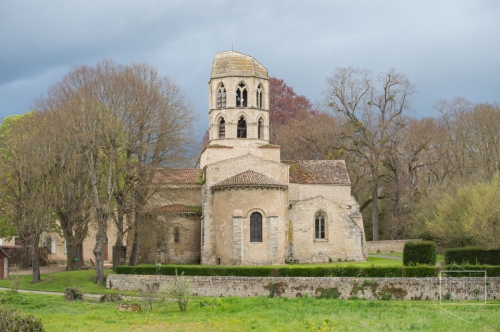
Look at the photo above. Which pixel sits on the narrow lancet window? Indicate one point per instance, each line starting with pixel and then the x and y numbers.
pixel 176 235
pixel 319 226
pixel 241 96
pixel 221 97
pixel 242 128
pixel 259 96
pixel 222 128
pixel 256 227
pixel 259 129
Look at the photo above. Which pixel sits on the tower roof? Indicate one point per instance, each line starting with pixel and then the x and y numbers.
pixel 232 63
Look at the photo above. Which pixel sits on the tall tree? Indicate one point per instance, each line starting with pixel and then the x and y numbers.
pixel 24 181
pixel 284 105
pixel 371 108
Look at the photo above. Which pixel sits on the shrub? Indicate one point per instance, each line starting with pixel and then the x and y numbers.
pixel 472 255
pixel 72 294
pixel 179 290
pixel 15 278
pixel 419 253
pixel 17 321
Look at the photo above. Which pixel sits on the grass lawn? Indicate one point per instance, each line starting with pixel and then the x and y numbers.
pixel 57 282
pixel 258 314
pixel 439 258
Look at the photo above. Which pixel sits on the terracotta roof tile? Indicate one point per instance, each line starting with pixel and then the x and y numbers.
pixel 249 179
pixel 179 176
pixel 178 208
pixel 318 172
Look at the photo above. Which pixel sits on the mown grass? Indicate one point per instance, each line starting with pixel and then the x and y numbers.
pixel 439 258
pixel 259 314
pixel 59 281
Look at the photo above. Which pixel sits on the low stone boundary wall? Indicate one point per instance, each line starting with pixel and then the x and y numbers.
pixel 365 288
pixel 388 245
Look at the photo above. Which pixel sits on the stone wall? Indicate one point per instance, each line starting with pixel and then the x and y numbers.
pixel 335 192
pixel 388 245
pixel 364 288
pixel 343 239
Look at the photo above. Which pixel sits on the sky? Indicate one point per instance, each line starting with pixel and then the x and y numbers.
pixel 446 48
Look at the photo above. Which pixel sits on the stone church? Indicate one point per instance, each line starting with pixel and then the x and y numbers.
pixel 244 205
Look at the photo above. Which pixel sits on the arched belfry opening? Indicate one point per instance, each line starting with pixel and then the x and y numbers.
pixel 242 128
pixel 259 96
pixel 221 97
pixel 241 95
pixel 260 124
pixel 222 128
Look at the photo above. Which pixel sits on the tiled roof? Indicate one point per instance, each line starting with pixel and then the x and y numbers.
pixel 179 176
pixel 249 179
pixel 318 172
pixel 269 146
pixel 178 208
pixel 218 146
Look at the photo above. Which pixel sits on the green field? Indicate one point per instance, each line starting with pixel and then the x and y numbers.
pixel 243 314
pixel 439 258
pixel 259 314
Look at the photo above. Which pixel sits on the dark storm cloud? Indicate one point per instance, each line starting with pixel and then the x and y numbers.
pixel 447 48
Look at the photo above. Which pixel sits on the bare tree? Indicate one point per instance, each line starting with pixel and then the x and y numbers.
pixel 371 108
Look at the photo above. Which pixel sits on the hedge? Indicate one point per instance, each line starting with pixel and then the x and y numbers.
pixel 472 255
pixel 419 271
pixel 423 252
pixel 286 271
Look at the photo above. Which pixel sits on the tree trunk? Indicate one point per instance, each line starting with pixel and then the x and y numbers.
pixel 375 203
pixel 25 261
pixel 79 254
pixel 134 255
pixel 99 247
pixel 35 262
pixel 70 251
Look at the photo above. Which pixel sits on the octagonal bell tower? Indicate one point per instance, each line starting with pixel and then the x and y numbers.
pixel 238 101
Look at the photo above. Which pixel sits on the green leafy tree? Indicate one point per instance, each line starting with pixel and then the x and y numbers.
pixel 470 217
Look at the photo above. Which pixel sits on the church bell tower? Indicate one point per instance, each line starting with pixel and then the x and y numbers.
pixel 238 93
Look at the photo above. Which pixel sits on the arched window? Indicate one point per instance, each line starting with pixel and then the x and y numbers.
pixel 259 96
pixel 222 128
pixel 221 97
pixel 176 235
pixel 242 128
pixel 256 227
pixel 241 96
pixel 259 128
pixel 319 226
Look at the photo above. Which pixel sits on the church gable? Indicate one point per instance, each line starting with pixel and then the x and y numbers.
pixel 228 168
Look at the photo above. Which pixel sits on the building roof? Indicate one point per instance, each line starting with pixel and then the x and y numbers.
pixel 179 176
pixel 232 63
pixel 249 179
pixel 318 172
pixel 269 146
pixel 178 208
